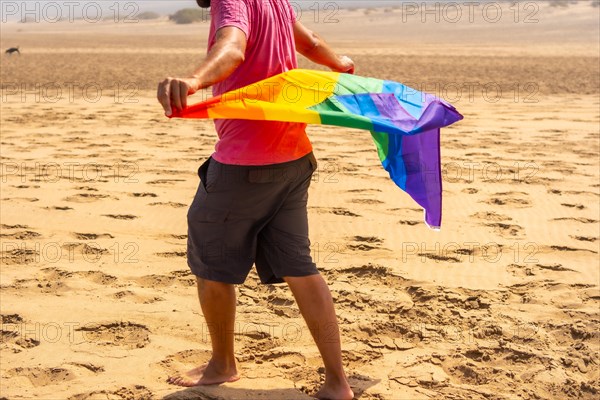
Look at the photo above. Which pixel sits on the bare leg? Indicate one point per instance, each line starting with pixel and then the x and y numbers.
pixel 316 305
pixel 217 300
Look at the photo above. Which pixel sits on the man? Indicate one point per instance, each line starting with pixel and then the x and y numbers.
pixel 250 207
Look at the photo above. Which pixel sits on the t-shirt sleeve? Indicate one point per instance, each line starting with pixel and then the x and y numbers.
pixel 293 15
pixel 231 13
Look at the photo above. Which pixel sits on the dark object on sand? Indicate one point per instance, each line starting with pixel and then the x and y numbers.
pixel 13 50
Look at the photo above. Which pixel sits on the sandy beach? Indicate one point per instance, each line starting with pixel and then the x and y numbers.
pixel 97 301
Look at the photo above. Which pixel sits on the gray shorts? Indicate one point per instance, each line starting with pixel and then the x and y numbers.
pixel 245 215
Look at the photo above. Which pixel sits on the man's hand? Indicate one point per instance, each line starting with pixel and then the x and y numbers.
pixel 173 92
pixel 227 53
pixel 346 65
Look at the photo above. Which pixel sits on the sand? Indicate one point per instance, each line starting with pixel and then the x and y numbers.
pixel 96 298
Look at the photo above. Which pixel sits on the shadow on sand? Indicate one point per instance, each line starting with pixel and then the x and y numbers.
pixel 220 392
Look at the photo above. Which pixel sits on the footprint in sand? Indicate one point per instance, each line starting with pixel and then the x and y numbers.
pixel 256 343
pixel 87 197
pixel 11 333
pixel 55 274
pixel 529 270
pixel 165 181
pixel 414 210
pixel 366 201
pixel 582 220
pixel 439 257
pixel 62 208
pixel 281 304
pixel 169 204
pixel 122 334
pixel 60 276
pixel 92 251
pixel 26 186
pixel 365 243
pixel 281 359
pixel 92 236
pixel 19 256
pixel 377 274
pixel 468 374
pixel 409 223
pixel 155 281
pixel 137 392
pixel 129 295
pixel 185 276
pixel 21 199
pixel 363 190
pixel 349 168
pixel 577 206
pixel 510 199
pixel 367 270
pixel 585 238
pixel 343 211
pixel 120 216
pixel 187 359
pixel 146 194
pixel 336 211
pixel 366 239
pixel 574 192
pixel 389 335
pixel 570 249
pixel 491 216
pixel 23 235
pixel 54 287
pixel 88 366
pixel 172 254
pixel 98 277
pixel 10 319
pixel 4 226
pixel 553 267
pixel 510 230
pixel 43 376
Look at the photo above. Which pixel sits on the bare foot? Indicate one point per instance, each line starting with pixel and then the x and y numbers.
pixel 335 392
pixel 207 374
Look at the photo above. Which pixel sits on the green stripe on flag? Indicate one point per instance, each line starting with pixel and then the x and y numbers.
pixel 382 142
pixel 351 84
pixel 332 112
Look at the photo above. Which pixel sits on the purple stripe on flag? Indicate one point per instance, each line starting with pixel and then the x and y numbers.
pixel 389 108
pixel 423 173
pixel 420 153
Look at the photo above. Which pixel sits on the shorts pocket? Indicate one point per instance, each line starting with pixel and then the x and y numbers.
pixel 208 207
pixel 198 213
pixel 202 173
pixel 313 162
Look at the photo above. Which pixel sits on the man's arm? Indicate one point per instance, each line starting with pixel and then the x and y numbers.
pixel 220 62
pixel 313 47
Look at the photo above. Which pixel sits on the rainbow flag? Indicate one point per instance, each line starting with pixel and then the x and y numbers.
pixel 404 123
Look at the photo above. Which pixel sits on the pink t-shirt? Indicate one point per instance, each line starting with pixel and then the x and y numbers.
pixel 268 25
